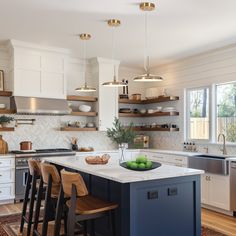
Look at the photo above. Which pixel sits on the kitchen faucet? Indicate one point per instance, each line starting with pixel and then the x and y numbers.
pixel 224 146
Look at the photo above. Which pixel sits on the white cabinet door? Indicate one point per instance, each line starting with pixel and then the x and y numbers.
pixel 7 191
pixel 219 191
pixel 38 73
pixel 204 189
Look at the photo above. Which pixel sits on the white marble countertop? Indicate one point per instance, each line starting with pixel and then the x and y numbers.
pixel 113 171
pixel 161 151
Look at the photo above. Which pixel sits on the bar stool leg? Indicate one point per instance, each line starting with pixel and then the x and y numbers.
pixel 47 207
pixel 59 211
pixel 31 204
pixel 26 197
pixel 92 227
pixel 112 222
pixel 71 213
pixel 85 228
pixel 38 204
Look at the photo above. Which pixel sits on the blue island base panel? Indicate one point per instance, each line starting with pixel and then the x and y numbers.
pixel 164 207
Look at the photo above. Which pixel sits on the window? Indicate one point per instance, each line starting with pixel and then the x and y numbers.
pixel 204 123
pixel 226 110
pixel 198 114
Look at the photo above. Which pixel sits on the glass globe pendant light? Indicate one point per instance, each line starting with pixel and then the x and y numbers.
pixel 85 87
pixel 147 77
pixel 115 82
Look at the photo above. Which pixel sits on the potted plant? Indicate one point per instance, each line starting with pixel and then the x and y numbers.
pixel 4 120
pixel 122 135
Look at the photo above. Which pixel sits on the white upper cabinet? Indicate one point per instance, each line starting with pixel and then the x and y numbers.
pixel 37 71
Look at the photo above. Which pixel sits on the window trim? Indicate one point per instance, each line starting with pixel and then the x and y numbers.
pixel 187 114
pixel 213 139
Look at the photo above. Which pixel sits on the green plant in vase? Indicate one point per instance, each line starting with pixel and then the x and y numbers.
pixel 5 120
pixel 122 135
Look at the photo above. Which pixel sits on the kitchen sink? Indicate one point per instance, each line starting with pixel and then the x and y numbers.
pixel 215 164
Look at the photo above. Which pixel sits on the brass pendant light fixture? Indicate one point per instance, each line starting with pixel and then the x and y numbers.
pixel 147 77
pixel 85 87
pixel 115 82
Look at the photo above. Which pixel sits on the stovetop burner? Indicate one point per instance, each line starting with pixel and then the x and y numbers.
pixel 43 152
pixel 52 150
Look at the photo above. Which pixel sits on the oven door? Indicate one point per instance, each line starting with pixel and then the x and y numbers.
pixel 21 180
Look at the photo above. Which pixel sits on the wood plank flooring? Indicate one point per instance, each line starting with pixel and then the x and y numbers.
pixel 10 209
pixel 219 222
pixel 213 220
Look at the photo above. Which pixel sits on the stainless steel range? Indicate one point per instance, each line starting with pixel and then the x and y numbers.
pixel 22 168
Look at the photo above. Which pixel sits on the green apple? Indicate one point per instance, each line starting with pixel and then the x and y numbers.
pixel 141 159
pixel 148 164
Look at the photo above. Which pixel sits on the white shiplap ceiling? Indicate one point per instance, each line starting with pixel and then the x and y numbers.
pixel 177 28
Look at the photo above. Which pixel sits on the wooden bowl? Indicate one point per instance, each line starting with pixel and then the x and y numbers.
pixel 97 160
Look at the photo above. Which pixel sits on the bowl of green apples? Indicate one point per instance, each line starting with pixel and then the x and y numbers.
pixel 141 163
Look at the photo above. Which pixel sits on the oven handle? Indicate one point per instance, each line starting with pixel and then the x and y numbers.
pixel 22 168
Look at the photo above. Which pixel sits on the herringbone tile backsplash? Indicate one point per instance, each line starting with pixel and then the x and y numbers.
pixel 45 133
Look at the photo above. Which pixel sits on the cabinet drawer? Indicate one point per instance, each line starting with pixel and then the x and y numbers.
pixel 7 162
pixel 7 175
pixel 6 191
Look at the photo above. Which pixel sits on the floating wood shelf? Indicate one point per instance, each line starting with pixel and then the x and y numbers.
pixel 155 129
pixel 7 111
pixel 77 129
pixel 6 129
pixel 5 93
pixel 80 113
pixel 172 113
pixel 81 98
pixel 149 101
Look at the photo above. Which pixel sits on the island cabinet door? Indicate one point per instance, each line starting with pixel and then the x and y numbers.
pixel 165 207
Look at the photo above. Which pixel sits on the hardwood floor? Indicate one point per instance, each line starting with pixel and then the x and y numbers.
pixel 219 222
pixel 10 209
pixel 213 220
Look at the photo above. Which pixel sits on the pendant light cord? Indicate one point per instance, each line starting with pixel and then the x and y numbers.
pixel 84 59
pixel 146 43
pixel 112 51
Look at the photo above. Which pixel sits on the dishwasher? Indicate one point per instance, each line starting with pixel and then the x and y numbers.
pixel 233 186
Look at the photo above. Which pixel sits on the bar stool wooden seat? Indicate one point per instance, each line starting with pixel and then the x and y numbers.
pixel 52 181
pixel 82 206
pixel 33 185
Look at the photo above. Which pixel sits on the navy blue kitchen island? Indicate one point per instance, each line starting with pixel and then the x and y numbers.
pixel 161 202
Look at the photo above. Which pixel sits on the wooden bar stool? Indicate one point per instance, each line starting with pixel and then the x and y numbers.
pixel 32 187
pixel 82 206
pixel 52 181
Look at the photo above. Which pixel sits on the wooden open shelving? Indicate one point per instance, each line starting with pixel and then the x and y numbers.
pixel 149 101
pixel 172 113
pixel 7 111
pixel 81 98
pixel 6 129
pixel 80 113
pixel 77 129
pixel 155 129
pixel 5 93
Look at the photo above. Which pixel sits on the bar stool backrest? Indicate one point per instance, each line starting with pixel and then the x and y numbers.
pixel 34 167
pixel 52 170
pixel 69 178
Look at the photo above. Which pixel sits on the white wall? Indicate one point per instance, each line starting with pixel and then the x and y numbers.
pixel 205 69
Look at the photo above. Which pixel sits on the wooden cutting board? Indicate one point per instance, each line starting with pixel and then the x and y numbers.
pixel 3 146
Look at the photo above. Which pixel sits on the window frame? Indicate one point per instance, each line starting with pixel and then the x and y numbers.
pixel 187 114
pixel 214 104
